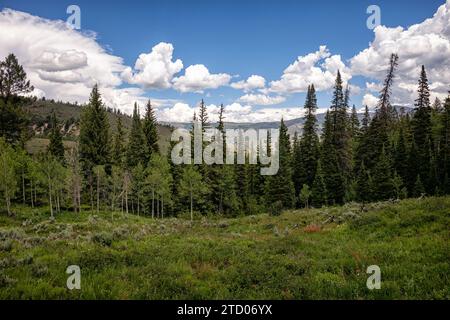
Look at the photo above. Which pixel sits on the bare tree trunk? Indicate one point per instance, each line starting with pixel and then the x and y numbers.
pixel 157 208
pixel 50 199
pixel 98 193
pixel 138 205
pixel 162 206
pixel 153 203
pixel 31 193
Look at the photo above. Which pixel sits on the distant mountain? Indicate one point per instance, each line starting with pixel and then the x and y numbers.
pixel 39 112
pixel 294 125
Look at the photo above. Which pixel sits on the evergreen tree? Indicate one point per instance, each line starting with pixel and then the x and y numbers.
pixel 333 178
pixel 94 134
pixel 354 124
pixel 340 135
pixel 422 131
pixel 280 187
pixel 13 78
pixel 150 129
pixel 306 151
pixel 363 185
pixel 419 189
pixel 382 186
pixel 319 192
pixel 55 147
pixel 401 155
pixel 119 149
pixel 137 151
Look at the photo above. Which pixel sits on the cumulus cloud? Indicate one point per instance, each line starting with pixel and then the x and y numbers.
pixel 261 99
pixel 426 43
pixel 253 82
pixel 235 112
pixel 155 69
pixel 319 68
pixel 60 62
pixel 370 100
pixel 197 78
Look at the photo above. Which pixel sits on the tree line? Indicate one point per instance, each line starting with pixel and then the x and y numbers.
pixel 391 154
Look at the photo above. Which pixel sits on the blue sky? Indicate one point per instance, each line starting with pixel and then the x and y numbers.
pixel 237 38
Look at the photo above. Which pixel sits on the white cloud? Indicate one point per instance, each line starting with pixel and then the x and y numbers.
pixel 261 99
pixel 253 82
pixel 197 78
pixel 369 100
pixel 235 112
pixel 60 62
pixel 64 64
pixel 318 68
pixel 155 69
pixel 426 43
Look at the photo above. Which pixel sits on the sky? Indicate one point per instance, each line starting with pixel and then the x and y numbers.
pixel 255 57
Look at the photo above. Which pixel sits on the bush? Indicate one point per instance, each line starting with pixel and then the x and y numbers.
pixel 276 208
pixel 103 238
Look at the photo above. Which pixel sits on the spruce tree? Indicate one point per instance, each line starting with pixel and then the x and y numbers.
pixel 94 134
pixel 55 147
pixel 422 131
pixel 319 191
pixel 137 151
pixel 150 129
pixel 306 154
pixel 119 149
pixel 334 181
pixel 382 186
pixel 363 185
pixel 280 187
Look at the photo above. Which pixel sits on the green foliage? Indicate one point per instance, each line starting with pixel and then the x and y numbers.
pixel 258 257
pixel 149 127
pixel 13 78
pixel 55 147
pixel 94 134
pixel 137 151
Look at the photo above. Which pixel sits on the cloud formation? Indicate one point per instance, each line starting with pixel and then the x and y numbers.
pixel 426 43
pixel 154 70
pixel 197 79
pixel 319 68
pixel 261 99
pixel 253 82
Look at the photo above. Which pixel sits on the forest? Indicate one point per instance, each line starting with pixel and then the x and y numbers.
pixel 390 155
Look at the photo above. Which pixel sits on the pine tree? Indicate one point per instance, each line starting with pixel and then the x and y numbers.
pixel 280 187
pixel 363 185
pixel 422 131
pixel 419 189
pixel 401 155
pixel 354 124
pixel 382 186
pixel 94 134
pixel 119 149
pixel 13 78
pixel 137 151
pixel 306 150
pixel 334 181
pixel 340 135
pixel 150 129
pixel 319 191
pixel 55 147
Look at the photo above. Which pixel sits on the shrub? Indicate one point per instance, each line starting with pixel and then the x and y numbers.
pixel 103 238
pixel 276 208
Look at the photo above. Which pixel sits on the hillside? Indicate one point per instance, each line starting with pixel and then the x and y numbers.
pixel 69 115
pixel 306 254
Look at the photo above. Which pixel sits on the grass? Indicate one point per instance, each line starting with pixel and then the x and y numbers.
pixel 305 254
